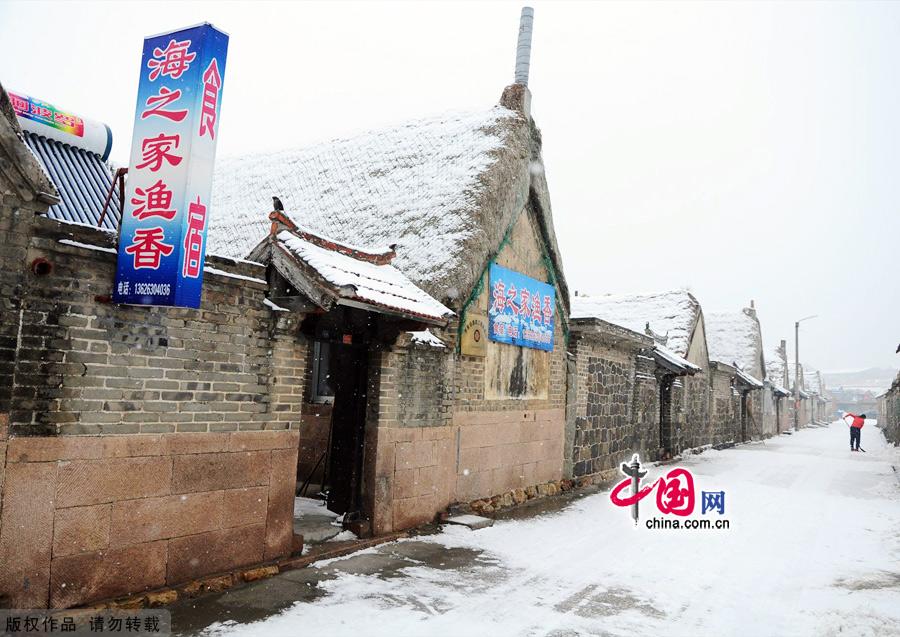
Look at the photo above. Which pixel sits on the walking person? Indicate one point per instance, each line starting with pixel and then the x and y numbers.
pixel 856 426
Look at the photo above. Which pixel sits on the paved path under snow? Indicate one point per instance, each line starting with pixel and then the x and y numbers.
pixel 813 549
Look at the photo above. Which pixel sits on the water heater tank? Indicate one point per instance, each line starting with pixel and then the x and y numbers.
pixel 41 118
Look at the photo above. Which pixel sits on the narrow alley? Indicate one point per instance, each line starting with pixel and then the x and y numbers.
pixel 812 549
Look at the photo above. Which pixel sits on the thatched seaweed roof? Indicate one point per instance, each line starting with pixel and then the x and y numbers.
pixel 445 190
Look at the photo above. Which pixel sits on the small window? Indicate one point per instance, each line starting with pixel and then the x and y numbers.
pixel 322 389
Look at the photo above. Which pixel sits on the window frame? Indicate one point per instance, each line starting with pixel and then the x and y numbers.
pixel 315 396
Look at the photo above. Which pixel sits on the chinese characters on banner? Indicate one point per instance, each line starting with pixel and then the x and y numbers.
pixel 521 310
pixel 162 240
pixel 47 114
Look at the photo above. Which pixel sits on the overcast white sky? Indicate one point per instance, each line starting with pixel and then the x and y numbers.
pixel 746 151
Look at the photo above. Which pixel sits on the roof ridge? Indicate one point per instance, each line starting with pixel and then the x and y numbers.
pixel 378 130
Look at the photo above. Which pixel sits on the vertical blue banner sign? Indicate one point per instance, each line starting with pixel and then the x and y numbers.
pixel 162 236
pixel 522 310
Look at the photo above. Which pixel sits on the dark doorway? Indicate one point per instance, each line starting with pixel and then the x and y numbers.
pixel 778 415
pixel 665 417
pixel 743 416
pixel 349 376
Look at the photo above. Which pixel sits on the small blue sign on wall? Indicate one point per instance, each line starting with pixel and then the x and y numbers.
pixel 162 240
pixel 522 310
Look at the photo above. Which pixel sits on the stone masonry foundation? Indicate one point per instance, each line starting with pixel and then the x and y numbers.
pixel 93 517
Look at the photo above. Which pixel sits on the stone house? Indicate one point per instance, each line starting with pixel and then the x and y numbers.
pixel 353 322
pixel 674 322
pixel 889 411
pixel 821 408
pixel 801 409
pixel 618 378
pixel 437 417
pixel 735 346
pixel 777 403
pixel 139 447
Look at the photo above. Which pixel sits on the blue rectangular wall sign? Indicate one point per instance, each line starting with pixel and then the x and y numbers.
pixel 522 310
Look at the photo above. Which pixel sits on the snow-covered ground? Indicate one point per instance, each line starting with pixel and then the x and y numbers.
pixel 813 549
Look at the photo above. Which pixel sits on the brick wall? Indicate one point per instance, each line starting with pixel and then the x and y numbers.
pixel 432 449
pixel 146 445
pixel 18 208
pixel 89 367
pixel 445 433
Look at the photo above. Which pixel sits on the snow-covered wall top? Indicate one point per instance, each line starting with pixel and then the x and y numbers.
pixel 670 314
pixel 734 338
pixel 414 185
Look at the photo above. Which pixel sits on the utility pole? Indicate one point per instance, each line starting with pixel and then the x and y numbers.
pixel 797 376
pixel 797 370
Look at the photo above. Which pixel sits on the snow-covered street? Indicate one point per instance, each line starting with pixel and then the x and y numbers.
pixel 813 549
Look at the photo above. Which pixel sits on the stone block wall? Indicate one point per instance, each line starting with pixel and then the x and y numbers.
pixel 697 430
pixel 769 413
pixel 725 417
pixel 755 415
pixel 91 517
pixel 605 428
pixel 889 412
pixel 502 451
pixel 616 398
pixel 645 406
pixel 681 436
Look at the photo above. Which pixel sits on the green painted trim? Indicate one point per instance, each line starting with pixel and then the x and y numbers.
pixel 479 287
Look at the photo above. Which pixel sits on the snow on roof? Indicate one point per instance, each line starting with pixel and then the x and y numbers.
pixel 775 371
pixel 670 314
pixel 811 381
pixel 425 337
pixel 748 379
pixel 675 359
pixel 414 185
pixel 775 366
pixel 383 286
pixel 733 338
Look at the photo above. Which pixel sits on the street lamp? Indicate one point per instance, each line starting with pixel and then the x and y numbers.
pixel 797 369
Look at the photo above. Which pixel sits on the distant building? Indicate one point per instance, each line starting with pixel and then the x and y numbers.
pixel 889 411
pixel 736 350
pixel 777 405
pixel 674 321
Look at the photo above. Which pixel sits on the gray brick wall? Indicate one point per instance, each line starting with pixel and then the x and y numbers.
pixel 86 366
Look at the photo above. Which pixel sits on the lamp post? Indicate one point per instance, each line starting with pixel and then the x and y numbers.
pixel 797 369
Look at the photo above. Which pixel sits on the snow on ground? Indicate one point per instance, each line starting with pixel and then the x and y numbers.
pixel 813 549
pixel 311 506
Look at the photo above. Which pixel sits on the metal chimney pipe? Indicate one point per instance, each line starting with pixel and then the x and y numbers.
pixel 523 49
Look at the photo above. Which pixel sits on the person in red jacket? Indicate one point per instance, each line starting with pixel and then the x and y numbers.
pixel 856 426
